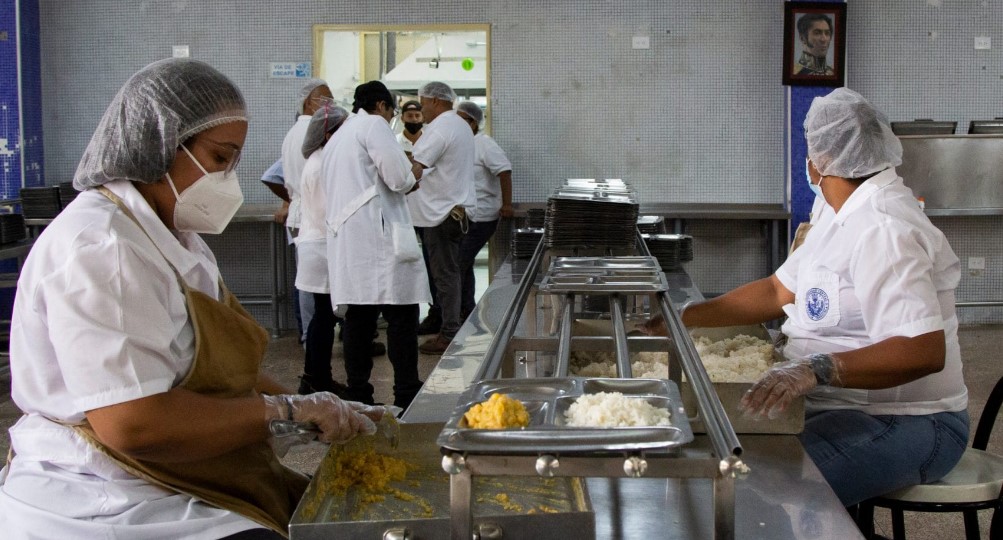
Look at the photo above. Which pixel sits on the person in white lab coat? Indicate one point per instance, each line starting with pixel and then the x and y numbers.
pixel 444 162
pixel 373 255
pixel 493 200
pixel 312 96
pixel 311 252
pixel 137 371
pixel 871 332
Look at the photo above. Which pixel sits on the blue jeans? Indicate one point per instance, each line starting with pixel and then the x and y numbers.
pixel 863 456
pixel 477 235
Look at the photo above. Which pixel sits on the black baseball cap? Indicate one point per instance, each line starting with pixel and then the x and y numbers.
pixel 411 106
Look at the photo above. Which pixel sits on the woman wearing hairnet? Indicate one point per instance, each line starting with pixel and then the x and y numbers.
pixel 871 331
pixel 311 254
pixel 136 370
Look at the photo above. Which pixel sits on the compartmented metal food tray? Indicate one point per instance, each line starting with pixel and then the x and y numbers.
pixel 547 399
pixel 604 274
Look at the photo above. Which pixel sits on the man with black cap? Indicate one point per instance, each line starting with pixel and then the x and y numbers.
pixel 413 122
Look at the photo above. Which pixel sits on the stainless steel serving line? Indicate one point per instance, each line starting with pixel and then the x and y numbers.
pixel 784 497
pixel 619 278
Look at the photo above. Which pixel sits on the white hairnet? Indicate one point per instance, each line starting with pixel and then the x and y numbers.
pixel 325 120
pixel 437 90
pixel 309 87
pixel 848 137
pixel 472 110
pixel 158 108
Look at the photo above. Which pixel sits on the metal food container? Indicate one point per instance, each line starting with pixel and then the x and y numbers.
pixel 790 421
pixel 515 507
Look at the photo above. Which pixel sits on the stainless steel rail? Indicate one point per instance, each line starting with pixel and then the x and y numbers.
pixel 496 352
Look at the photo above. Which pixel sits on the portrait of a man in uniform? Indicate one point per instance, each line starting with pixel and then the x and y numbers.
pixel 814 44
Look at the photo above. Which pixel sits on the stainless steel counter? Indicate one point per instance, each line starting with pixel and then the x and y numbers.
pixel 784 497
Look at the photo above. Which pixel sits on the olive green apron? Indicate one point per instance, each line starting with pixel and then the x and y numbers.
pixel 229 347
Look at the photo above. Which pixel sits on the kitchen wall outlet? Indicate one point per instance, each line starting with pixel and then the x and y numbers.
pixel 180 51
pixel 983 43
pixel 640 42
pixel 976 263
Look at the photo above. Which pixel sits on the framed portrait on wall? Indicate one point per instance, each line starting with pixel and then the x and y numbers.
pixel 814 43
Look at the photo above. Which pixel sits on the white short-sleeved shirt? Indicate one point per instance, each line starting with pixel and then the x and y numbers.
pixel 406 143
pixel 99 319
pixel 446 147
pixel 489 161
pixel 292 167
pixel 311 244
pixel 877 269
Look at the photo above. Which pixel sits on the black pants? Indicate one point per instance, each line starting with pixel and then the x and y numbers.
pixel 402 349
pixel 320 339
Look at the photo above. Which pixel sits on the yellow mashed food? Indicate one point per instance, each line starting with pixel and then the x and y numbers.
pixel 368 470
pixel 498 412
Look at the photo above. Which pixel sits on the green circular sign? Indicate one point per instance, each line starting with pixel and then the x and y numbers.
pixel 467 64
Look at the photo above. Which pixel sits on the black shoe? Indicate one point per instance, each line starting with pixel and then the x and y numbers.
pixel 429 325
pixel 308 385
pixel 379 349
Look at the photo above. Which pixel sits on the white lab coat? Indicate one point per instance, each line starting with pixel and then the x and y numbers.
pixel 292 167
pixel 489 161
pixel 99 319
pixel 362 264
pixel 875 270
pixel 446 147
pixel 311 244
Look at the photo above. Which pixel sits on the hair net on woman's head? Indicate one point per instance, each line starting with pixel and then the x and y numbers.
pixel 305 92
pixel 437 90
pixel 472 110
pixel 325 120
pixel 848 137
pixel 158 108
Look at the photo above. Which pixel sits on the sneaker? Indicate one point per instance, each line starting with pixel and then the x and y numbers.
pixel 436 345
pixel 429 325
pixel 308 385
pixel 379 349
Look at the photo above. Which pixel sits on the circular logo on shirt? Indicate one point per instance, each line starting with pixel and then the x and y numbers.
pixel 816 303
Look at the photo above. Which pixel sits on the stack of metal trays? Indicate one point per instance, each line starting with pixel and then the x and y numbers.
pixel 535 218
pixel 547 400
pixel 11 228
pixel 66 194
pixel 634 274
pixel 40 202
pixel 594 215
pixel 524 242
pixel 651 224
pixel 667 248
pixel 524 507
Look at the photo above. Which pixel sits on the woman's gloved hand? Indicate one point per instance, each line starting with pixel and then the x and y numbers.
pixel 337 420
pixel 784 382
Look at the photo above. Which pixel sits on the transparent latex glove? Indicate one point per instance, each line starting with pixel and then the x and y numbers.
pixel 784 382
pixel 337 420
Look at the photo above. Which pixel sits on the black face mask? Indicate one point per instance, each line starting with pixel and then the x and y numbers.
pixel 413 127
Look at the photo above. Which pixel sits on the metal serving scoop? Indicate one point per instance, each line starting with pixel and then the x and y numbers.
pixel 388 426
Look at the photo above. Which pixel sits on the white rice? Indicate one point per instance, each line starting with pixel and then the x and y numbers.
pixel 613 409
pixel 739 359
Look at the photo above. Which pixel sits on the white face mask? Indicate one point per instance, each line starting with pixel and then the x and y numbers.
pixel 208 205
